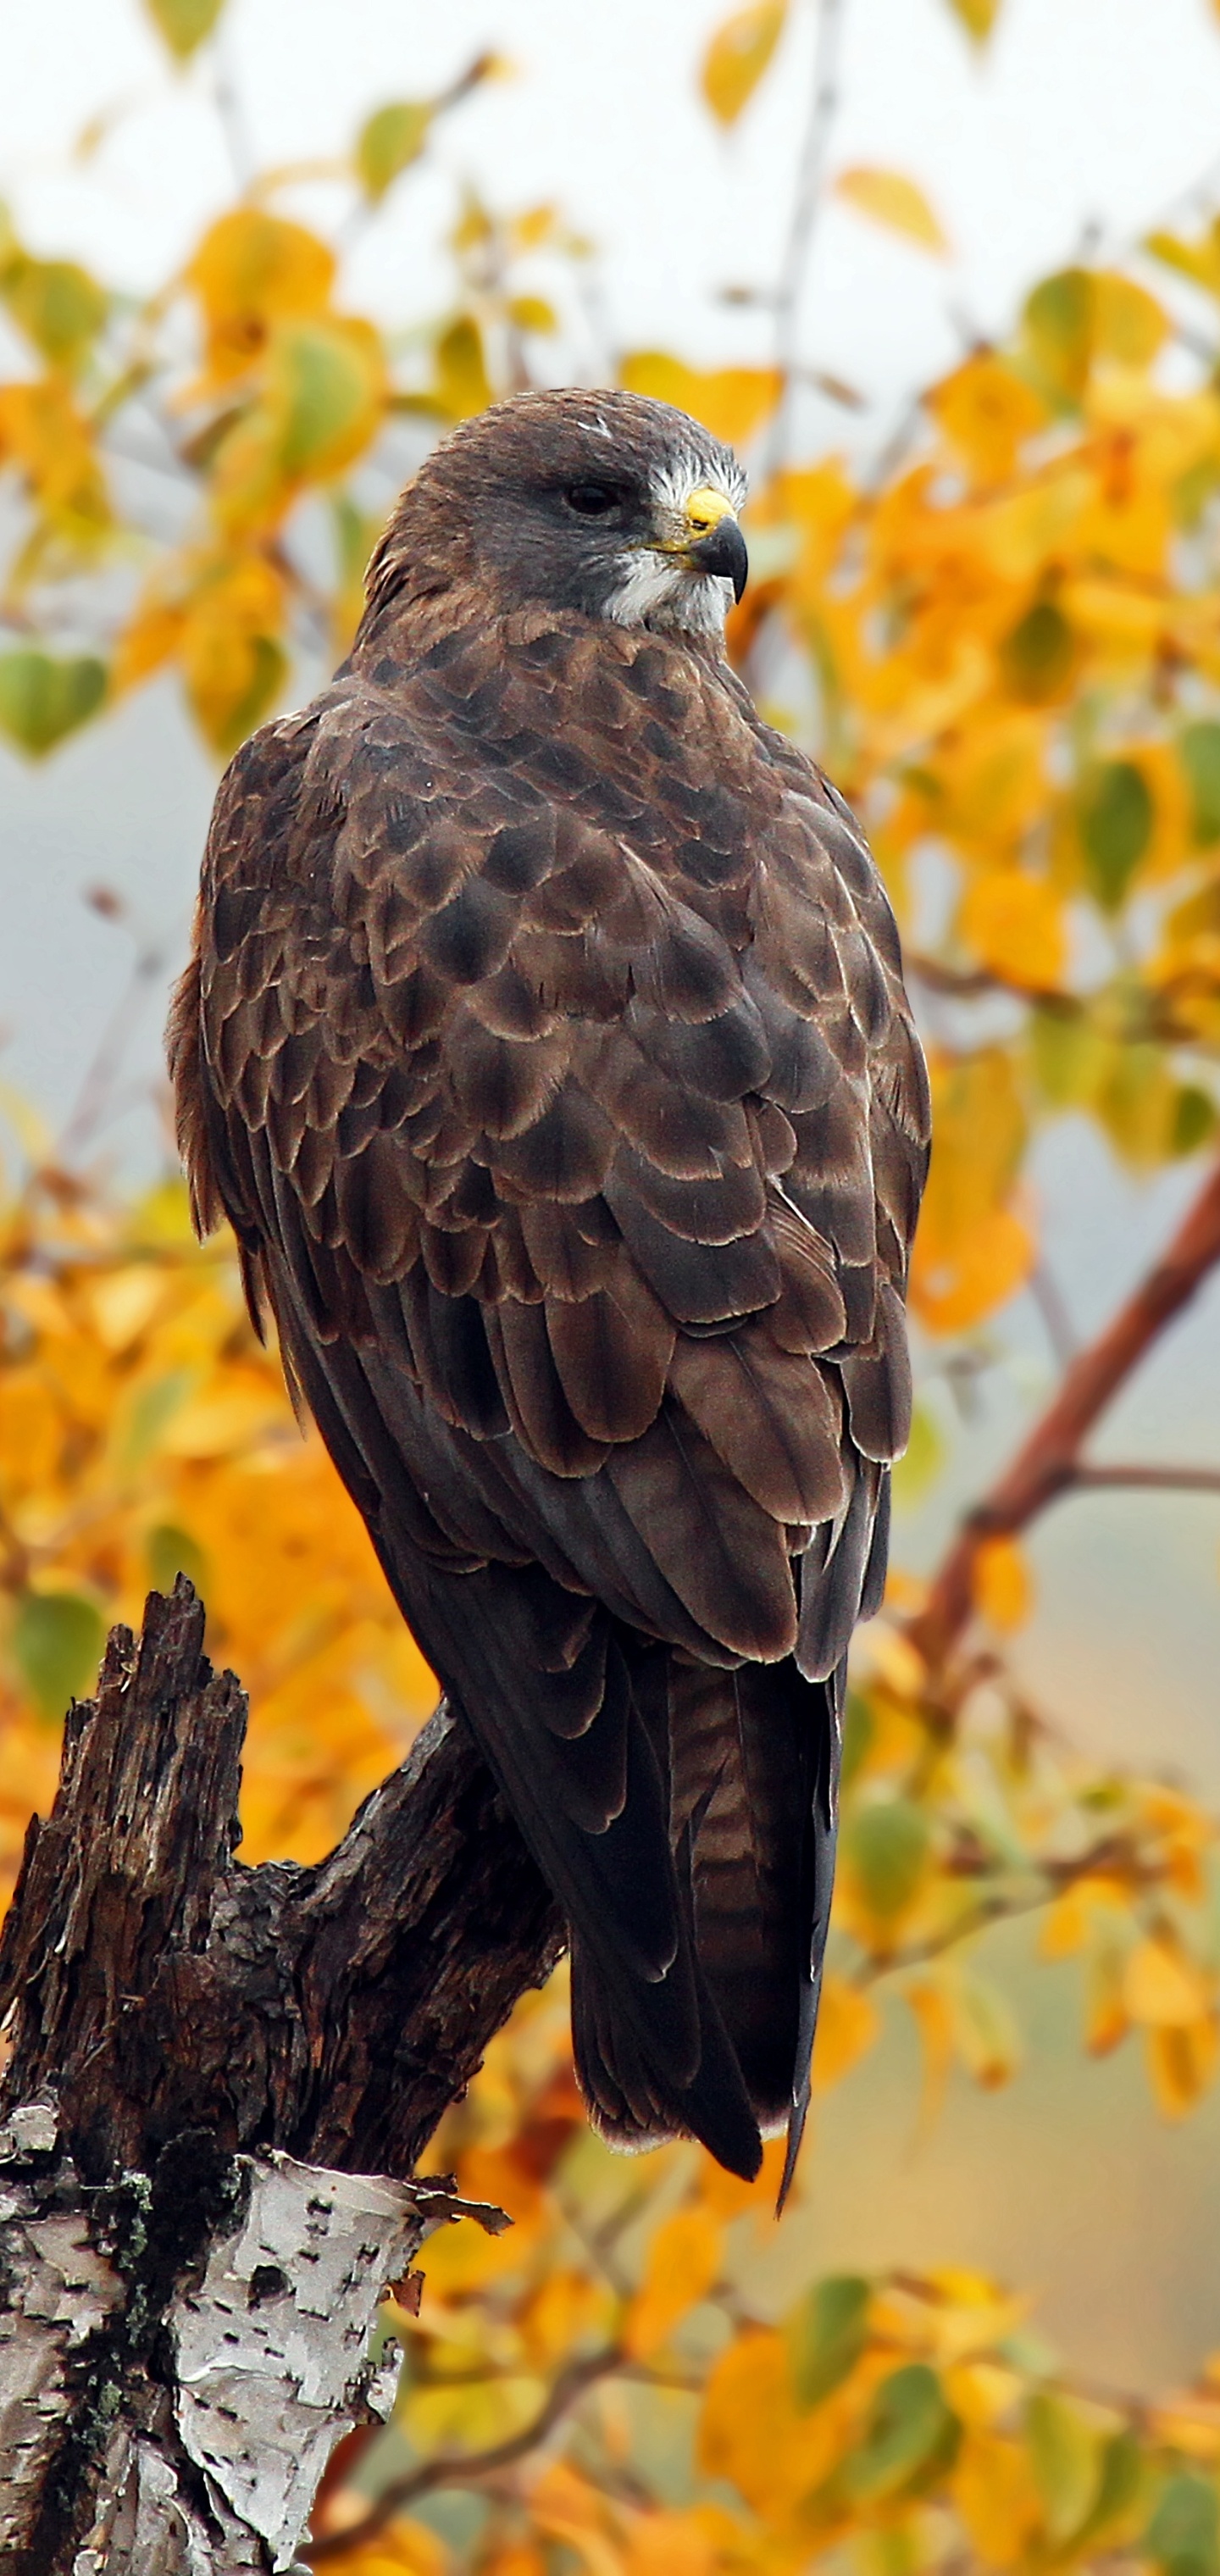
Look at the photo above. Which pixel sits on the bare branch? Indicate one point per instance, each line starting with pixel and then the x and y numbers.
pixel 1048 1464
pixel 466 2468
pixel 810 183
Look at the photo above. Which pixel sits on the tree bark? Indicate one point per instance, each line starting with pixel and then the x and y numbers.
pixel 219 2084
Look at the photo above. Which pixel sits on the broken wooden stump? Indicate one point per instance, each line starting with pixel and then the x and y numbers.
pixel 220 2081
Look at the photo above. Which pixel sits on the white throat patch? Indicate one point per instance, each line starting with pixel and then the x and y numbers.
pixel 655 591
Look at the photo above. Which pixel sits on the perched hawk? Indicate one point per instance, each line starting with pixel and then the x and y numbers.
pixel 545 1045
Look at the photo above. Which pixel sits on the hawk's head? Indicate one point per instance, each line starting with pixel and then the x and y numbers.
pixel 605 503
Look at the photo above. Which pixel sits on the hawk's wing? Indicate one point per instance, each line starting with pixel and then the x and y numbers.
pixel 546 1046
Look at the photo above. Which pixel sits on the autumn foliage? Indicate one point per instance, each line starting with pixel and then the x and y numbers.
pixel 1003 638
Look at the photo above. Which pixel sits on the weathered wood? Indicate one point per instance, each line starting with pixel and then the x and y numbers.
pixel 199 2052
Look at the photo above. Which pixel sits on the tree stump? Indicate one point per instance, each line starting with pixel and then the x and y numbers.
pixel 220 2081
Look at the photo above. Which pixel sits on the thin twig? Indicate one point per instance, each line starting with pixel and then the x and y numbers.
pixel 465 2468
pixel 1151 1479
pixel 810 182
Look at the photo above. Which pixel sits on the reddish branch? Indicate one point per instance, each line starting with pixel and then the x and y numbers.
pixel 1050 1464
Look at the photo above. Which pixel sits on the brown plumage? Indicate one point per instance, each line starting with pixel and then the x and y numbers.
pixel 545 1044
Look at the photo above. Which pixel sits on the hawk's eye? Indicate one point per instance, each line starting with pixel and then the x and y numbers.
pixel 592 500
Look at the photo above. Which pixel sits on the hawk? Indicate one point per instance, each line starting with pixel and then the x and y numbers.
pixel 544 1042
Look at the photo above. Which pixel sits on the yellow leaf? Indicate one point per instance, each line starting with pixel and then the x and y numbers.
pixel 953 1291
pixel 988 413
pixel 888 197
pixel 738 55
pixel 993 2489
pixel 1182 2063
pixel 978 17
pixel 1163 1987
pixel 184 23
pixel 463 385
pixel 730 401
pixel 1000 1582
pixel 1014 924
pixel 682 2262
pixel 251 270
pixel 929 2004
pixel 848 2024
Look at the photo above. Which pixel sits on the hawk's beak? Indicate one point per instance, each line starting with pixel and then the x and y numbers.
pixel 713 540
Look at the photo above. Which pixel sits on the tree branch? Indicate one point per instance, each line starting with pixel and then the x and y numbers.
pixel 465 2468
pixel 1049 1464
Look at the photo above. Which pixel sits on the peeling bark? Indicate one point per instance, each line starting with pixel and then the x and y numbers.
pixel 219 2084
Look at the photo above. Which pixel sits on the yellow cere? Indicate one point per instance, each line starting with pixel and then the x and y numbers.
pixel 705 509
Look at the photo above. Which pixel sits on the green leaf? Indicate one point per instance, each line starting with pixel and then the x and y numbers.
pixel 1122 2480
pixel 1194 1119
pixel 910 2432
pixel 1115 828
pixel 184 23
pixel 57 1645
pixel 326 383
pixel 391 139
pixel 57 305
pixel 1058 326
pixel 1183 2536
pixel 887 1845
pixel 1066 2463
pixel 1037 654
pixel 827 2335
pixel 171 1552
pixel 42 699
pixel 1199 747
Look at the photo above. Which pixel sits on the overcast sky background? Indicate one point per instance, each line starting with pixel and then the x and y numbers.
pixel 1085 116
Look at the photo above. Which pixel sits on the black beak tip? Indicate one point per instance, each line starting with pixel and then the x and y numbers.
pixel 723 551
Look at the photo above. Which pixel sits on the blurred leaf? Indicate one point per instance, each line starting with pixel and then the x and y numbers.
pixel 911 2431
pixel 730 401
pixel 1199 744
pixel 886 1847
pixel 57 305
pixel 1116 816
pixel 681 2264
pixel 184 23
pixel 1183 2536
pixel 978 17
pixel 389 141
pixel 1001 1583
pixel 984 2033
pixel 827 2334
pixel 42 700
pixel 889 198
pixel 172 1552
pixel 738 55
pixel 1014 925
pixel 917 1470
pixel 1066 2463
pixel 463 386
pixel 57 1646
pixel 1038 654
